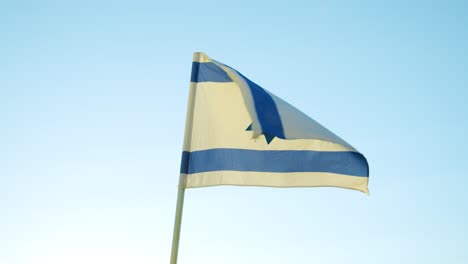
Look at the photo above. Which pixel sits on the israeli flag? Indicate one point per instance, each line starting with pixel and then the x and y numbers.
pixel 238 133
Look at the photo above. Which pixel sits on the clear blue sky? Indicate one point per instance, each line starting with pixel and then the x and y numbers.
pixel 92 111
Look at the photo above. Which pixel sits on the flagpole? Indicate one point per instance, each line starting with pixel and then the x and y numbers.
pixel 187 145
pixel 178 221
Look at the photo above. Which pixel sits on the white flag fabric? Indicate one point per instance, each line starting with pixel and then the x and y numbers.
pixel 238 133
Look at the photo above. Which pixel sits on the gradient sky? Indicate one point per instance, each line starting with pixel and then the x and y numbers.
pixel 92 111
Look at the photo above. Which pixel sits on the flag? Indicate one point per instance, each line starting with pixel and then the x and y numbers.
pixel 238 133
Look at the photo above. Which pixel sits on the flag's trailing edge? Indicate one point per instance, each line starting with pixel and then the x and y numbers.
pixel 238 133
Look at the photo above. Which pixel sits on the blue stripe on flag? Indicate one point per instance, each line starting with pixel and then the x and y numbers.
pixel 346 162
pixel 208 72
pixel 267 112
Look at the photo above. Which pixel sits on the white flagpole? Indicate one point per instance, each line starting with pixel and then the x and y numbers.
pixel 178 221
pixel 182 177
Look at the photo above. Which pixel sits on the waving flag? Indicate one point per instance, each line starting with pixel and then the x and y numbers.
pixel 238 133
